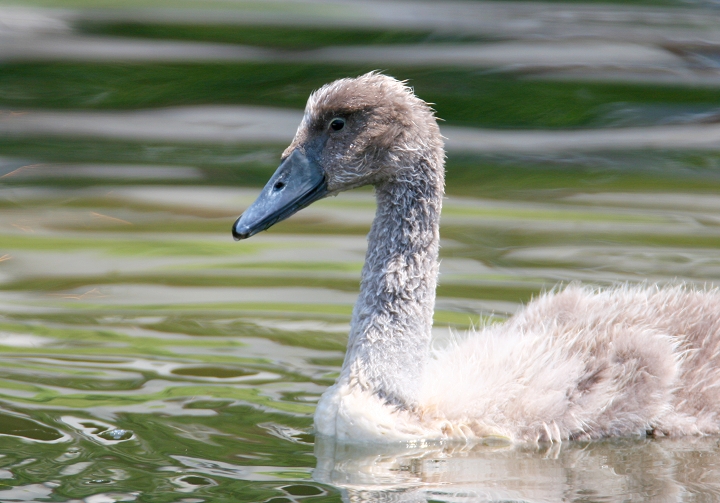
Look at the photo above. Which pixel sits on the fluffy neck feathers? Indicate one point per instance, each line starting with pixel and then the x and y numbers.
pixel 392 320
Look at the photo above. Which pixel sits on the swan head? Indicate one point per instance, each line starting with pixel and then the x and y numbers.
pixel 355 132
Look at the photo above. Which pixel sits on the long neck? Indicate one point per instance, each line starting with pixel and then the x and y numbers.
pixel 391 328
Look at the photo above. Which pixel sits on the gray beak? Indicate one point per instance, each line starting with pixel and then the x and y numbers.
pixel 298 182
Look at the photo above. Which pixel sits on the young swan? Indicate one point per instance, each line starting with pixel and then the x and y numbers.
pixel 574 364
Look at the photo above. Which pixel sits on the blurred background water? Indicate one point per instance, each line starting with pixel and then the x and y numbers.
pixel 145 356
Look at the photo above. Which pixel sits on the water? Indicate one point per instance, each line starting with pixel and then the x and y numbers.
pixel 145 356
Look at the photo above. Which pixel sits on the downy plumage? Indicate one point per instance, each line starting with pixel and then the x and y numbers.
pixel 576 363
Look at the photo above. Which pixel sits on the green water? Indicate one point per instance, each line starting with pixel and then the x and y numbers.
pixel 145 356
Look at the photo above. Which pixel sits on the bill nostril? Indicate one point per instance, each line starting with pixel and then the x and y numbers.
pixel 279 186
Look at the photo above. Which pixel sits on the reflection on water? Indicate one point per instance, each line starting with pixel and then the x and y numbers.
pixel 145 356
pixel 612 470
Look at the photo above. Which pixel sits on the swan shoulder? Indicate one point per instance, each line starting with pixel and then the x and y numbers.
pixel 352 414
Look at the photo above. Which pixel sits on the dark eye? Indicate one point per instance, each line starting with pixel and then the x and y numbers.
pixel 337 124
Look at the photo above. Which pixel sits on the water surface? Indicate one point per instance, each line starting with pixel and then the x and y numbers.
pixel 145 356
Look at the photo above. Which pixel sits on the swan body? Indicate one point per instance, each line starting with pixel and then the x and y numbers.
pixel 576 363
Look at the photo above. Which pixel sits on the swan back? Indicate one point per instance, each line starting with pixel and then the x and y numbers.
pixel 587 363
